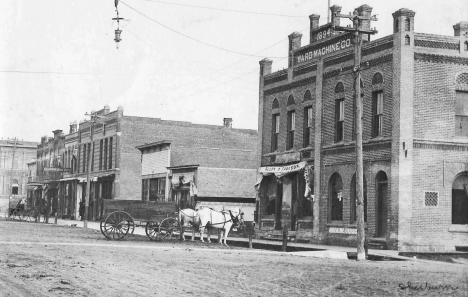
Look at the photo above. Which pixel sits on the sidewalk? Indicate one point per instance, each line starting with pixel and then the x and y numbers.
pixel 312 250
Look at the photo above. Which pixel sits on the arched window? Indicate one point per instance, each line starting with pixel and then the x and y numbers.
pixel 353 200
pixel 291 100
pixel 339 88
pixel 275 104
pixel 377 106
pixel 336 197
pixel 461 105
pixel 15 187
pixel 407 40
pixel 377 79
pixel 460 199
pixel 307 96
pixel 407 24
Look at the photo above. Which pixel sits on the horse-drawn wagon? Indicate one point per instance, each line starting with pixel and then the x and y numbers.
pixel 159 218
pixel 162 219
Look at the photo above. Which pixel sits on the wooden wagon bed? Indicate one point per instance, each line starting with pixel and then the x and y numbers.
pixel 121 216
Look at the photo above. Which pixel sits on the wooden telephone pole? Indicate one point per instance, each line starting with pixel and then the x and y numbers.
pixel 357 30
pixel 12 165
pixel 90 156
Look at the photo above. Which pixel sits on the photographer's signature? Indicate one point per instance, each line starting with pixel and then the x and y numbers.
pixel 425 286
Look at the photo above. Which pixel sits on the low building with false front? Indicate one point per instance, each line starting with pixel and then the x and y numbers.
pixel 415 139
pixel 202 165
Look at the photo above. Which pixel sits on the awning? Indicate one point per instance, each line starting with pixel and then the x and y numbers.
pixel 85 180
pixel 281 171
pixel 68 178
pixel 31 188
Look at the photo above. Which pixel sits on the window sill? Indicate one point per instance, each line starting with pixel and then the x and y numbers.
pixel 458 228
pixel 336 224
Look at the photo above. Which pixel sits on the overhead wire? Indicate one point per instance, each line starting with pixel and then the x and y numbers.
pixel 227 10
pixel 189 37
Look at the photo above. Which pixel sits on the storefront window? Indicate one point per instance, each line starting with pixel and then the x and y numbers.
pixel 157 187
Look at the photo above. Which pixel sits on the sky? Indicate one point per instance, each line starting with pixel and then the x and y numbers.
pixel 184 60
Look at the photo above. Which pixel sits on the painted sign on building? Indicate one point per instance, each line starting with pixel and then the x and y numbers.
pixel 342 230
pixel 313 52
pixel 283 169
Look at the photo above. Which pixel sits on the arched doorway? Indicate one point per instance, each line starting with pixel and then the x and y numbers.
pixel 381 189
pixel 335 191
pixel 460 199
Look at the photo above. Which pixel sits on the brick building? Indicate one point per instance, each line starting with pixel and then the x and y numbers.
pixel 115 163
pixel 202 165
pixel 415 145
pixel 14 156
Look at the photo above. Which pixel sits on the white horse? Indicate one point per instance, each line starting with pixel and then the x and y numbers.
pixel 223 220
pixel 188 217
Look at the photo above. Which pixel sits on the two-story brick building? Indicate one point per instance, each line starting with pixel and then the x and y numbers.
pixel 116 163
pixel 14 156
pixel 415 145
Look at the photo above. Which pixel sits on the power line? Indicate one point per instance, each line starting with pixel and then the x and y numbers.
pixel 215 86
pixel 228 10
pixel 50 72
pixel 233 65
pixel 191 38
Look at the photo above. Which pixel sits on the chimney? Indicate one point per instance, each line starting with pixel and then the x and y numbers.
pixel 228 123
pixel 314 24
pixel 461 29
pixel 365 11
pixel 57 133
pixel 73 126
pixel 106 109
pixel 265 66
pixel 294 43
pixel 335 9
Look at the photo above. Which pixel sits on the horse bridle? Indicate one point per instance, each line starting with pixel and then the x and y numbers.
pixel 235 219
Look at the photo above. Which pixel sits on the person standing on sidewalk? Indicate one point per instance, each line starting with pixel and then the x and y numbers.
pixel 82 209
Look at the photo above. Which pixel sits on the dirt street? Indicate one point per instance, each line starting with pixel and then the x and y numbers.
pixel 50 260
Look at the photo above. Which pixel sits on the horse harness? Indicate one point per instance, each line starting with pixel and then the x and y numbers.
pixel 234 219
pixel 192 217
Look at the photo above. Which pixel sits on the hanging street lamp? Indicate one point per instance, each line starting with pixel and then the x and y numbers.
pixel 117 31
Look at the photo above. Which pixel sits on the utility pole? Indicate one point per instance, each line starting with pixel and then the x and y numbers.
pixel 357 30
pixel 12 171
pixel 90 155
pixel 88 166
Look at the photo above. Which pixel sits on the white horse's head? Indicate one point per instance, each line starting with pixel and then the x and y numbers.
pixel 237 216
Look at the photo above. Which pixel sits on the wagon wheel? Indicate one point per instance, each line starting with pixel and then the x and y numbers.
pixel 117 225
pixel 152 230
pixel 15 215
pixel 32 215
pixel 169 227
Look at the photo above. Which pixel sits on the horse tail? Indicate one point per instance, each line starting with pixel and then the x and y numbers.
pixel 181 218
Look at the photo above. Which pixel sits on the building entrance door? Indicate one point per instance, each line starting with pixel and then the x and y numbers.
pixel 381 207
